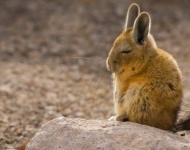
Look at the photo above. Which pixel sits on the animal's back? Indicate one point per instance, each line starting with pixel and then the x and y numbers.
pixel 154 95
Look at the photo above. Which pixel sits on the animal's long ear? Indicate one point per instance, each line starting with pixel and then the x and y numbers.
pixel 132 13
pixel 141 28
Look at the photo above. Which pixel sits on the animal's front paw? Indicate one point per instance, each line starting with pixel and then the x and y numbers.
pixel 122 118
pixel 112 118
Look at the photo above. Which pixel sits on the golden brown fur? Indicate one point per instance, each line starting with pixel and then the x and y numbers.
pixel 147 79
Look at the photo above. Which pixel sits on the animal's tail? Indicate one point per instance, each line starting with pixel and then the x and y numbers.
pixel 183 124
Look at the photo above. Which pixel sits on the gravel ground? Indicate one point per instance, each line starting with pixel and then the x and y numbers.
pixel 52 56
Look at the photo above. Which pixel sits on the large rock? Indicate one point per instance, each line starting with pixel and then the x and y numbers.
pixel 79 134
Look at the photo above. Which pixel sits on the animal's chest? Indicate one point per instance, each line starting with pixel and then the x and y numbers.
pixel 129 94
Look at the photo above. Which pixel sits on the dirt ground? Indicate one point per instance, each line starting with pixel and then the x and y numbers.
pixel 52 58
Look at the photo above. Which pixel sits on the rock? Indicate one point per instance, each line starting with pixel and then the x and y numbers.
pixel 79 134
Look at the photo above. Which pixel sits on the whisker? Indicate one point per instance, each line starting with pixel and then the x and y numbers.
pixel 102 75
pixel 97 78
pixel 102 69
pixel 88 58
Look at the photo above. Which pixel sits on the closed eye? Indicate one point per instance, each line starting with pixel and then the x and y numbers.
pixel 126 52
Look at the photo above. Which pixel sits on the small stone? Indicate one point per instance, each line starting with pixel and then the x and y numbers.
pixel 6 89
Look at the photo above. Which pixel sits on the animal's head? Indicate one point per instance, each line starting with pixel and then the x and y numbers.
pixel 131 48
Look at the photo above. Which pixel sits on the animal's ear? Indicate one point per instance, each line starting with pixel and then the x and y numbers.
pixel 141 28
pixel 132 13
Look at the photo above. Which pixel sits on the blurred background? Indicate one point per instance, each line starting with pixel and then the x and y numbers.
pixel 53 53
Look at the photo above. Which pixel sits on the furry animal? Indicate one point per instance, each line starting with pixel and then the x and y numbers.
pixel 147 79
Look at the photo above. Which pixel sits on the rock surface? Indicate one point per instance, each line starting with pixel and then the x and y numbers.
pixel 79 134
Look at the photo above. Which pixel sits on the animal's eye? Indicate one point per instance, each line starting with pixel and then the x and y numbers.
pixel 126 51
